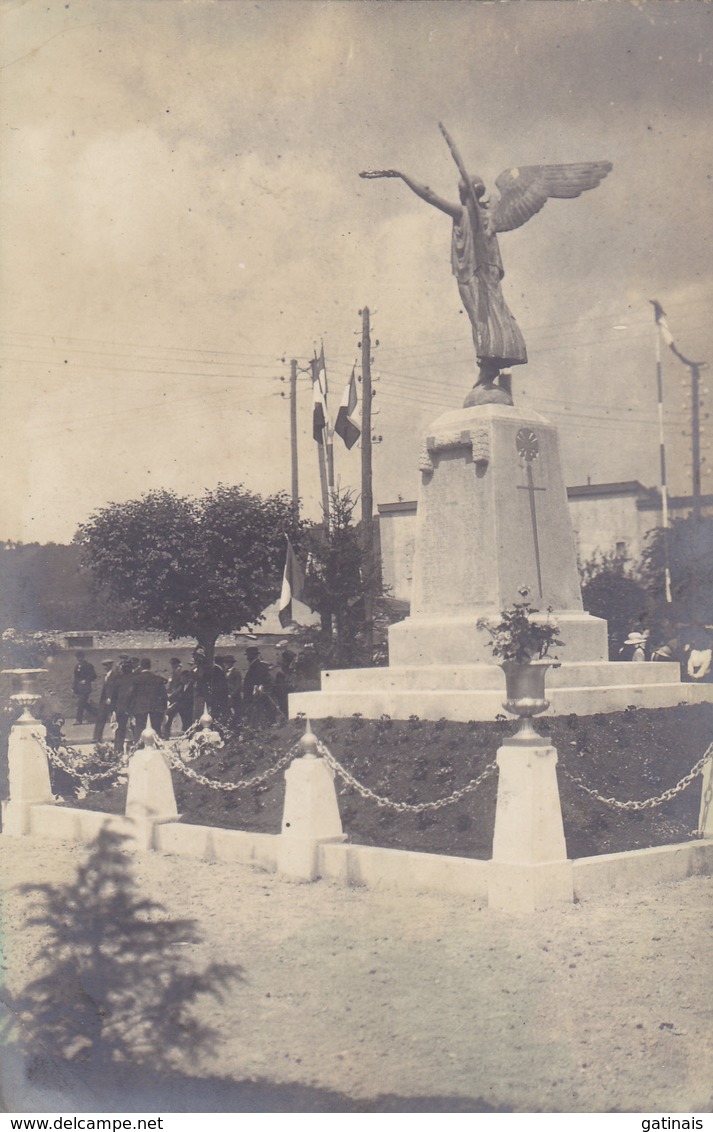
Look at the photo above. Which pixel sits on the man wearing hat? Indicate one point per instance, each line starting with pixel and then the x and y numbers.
pixel 148 698
pixel 256 687
pixel 106 706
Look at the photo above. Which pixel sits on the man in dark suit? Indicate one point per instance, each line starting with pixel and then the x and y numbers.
pixel 121 695
pixel 218 699
pixel 284 677
pixel 106 707
pixel 148 699
pixel 234 680
pixel 83 677
pixel 180 697
pixel 200 681
pixel 256 688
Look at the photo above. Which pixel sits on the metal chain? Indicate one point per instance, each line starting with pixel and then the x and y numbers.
pixel 403 807
pixel 189 733
pixel 648 803
pixel 175 761
pixel 245 783
pixel 84 777
pixel 366 792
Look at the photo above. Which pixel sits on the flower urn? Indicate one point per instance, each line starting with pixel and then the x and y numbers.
pixel 525 692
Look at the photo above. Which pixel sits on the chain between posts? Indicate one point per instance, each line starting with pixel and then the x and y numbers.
pixel 402 807
pixel 245 783
pixel 83 777
pixel 647 803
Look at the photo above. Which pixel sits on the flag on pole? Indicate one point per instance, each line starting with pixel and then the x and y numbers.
pixel 322 371
pixel 662 323
pixel 344 426
pixel 320 413
pixel 292 586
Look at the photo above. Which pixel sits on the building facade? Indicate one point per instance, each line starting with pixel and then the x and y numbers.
pixel 606 518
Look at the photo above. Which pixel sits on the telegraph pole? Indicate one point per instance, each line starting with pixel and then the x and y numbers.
pixel 367 498
pixel 662 466
pixel 293 436
pixel 695 368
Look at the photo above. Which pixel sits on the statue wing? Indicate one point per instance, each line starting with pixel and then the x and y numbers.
pixel 524 191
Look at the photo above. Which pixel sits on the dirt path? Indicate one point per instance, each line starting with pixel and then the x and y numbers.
pixel 372 995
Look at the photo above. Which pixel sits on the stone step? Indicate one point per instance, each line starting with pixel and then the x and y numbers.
pixel 463 705
pixel 484 677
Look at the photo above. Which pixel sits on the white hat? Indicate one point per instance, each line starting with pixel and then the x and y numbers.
pixel 635 639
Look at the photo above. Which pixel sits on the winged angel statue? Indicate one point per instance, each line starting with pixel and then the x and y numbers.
pixel 475 255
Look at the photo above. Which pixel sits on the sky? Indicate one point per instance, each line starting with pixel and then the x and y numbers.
pixel 181 214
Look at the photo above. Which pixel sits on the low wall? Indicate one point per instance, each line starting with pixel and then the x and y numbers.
pixel 595 877
pixel 375 868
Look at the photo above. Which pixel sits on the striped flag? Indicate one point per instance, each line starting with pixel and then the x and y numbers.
pixel 320 413
pixel 292 586
pixel 662 323
pixel 344 425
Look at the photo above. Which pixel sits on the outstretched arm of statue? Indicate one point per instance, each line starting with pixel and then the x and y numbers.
pixel 419 188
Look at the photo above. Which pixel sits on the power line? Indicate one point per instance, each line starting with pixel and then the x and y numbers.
pixel 141 345
pixel 132 411
pixel 136 369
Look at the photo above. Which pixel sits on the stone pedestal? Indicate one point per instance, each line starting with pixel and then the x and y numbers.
pixel 705 813
pixel 492 518
pixel 310 816
pixel 28 774
pixel 529 868
pixel 150 798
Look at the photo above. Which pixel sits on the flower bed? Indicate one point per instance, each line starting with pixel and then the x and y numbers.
pixel 630 755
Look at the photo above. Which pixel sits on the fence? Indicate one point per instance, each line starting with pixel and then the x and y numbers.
pixel 529 868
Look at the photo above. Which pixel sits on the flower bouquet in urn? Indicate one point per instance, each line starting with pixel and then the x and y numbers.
pixel 519 636
pixel 522 643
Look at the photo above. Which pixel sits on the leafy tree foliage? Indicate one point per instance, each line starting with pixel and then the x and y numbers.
pixel 336 582
pixel 611 589
pixel 689 545
pixel 26 650
pixel 43 589
pixel 192 567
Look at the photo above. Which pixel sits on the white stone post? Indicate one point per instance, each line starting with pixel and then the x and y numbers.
pixel 28 771
pixel 705 814
pixel 150 799
pixel 311 812
pixel 529 868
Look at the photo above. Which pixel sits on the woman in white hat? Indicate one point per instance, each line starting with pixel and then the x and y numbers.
pixel 634 647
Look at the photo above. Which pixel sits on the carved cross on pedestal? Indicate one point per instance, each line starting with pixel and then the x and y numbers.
pixel 528 447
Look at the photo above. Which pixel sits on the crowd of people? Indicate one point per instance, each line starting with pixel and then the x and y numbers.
pixel 131 695
pixel 691 648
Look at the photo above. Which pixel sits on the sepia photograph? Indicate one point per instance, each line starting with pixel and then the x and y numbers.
pixel 356 558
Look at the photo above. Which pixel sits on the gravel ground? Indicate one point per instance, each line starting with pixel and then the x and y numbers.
pixel 370 1001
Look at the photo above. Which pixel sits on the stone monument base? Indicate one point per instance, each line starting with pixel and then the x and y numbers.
pixel 440 640
pixel 493 528
pixel 463 692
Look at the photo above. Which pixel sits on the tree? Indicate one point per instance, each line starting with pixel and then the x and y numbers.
pixel 192 567
pixel 44 589
pixel 337 579
pixel 113 986
pixel 611 589
pixel 688 544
